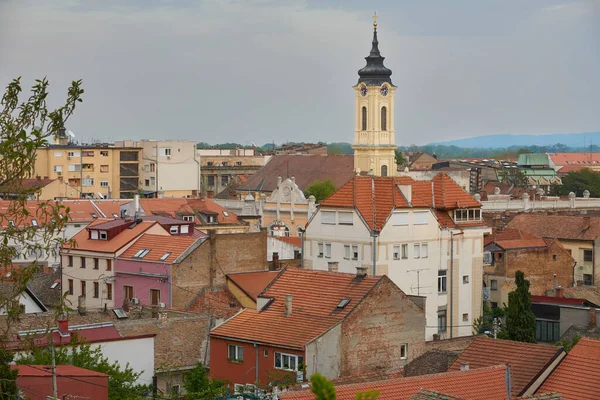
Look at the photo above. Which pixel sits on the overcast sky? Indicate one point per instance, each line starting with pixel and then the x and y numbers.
pixel 262 70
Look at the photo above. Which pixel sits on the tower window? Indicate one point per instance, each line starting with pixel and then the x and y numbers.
pixel 364 118
pixel 384 170
pixel 384 118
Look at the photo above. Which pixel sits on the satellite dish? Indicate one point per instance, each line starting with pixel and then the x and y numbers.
pixel 70 133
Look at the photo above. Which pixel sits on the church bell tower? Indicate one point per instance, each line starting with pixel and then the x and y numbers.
pixel 374 137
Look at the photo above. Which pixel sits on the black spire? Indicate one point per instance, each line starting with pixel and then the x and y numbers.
pixel 374 73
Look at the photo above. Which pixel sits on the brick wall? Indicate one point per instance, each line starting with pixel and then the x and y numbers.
pixel 219 255
pixel 455 344
pixel 432 362
pixel 373 333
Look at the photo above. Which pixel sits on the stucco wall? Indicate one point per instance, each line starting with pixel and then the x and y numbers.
pixel 323 355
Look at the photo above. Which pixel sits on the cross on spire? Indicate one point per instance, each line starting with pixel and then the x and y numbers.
pixel 375 16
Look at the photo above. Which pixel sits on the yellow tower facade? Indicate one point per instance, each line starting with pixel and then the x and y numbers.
pixel 374 136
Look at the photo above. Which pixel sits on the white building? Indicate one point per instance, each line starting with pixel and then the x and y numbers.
pixel 427 236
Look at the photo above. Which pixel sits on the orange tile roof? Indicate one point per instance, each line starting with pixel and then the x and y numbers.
pixel 83 242
pixel 80 211
pixel 315 296
pixel 376 197
pixel 253 283
pixel 575 158
pixel 209 205
pixel 515 239
pixel 527 360
pixel 571 227
pixel 578 375
pixel 110 207
pixel 293 240
pixel 174 206
pixel 159 246
pixel 485 383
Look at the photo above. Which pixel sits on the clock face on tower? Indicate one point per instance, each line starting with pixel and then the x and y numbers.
pixel 384 90
pixel 363 91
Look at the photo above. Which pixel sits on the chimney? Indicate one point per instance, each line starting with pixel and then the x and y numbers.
pixel 361 271
pixel 586 223
pixel 275 262
pixel 125 304
pixel 407 192
pixel 592 325
pixel 332 266
pixel 287 304
pixel 63 326
pixel 136 204
pixel 464 366
pixel 555 285
pixel 559 292
pixel 81 305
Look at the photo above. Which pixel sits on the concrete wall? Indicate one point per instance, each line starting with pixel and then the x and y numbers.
pixel 373 333
pixel 143 277
pixel 323 355
pixel 138 353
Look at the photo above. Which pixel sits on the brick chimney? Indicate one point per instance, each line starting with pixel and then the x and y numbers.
pixel 592 325
pixel 560 292
pixel 63 326
pixel 332 266
pixel 361 271
pixel 275 261
pixel 287 304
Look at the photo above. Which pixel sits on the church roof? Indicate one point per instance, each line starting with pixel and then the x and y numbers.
pixel 374 73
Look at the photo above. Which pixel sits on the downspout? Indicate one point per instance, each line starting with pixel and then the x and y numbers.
pixel 256 366
pixel 451 272
pixel 302 233
pixel 198 176
pixel 374 253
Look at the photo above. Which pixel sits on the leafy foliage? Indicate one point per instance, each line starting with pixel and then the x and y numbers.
pixel 25 126
pixel 8 377
pixel 520 321
pixel 400 160
pixel 198 385
pixel 321 190
pixel 486 321
pixel 121 381
pixel 514 176
pixel 322 388
pixel 568 344
pixel 579 181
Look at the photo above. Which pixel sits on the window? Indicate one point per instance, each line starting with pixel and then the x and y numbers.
pixel 109 265
pixel 82 262
pixel 58 154
pixel 74 154
pixel 165 256
pixel 441 321
pixel 74 167
pixel 209 163
pixel 211 180
pixel 266 353
pixel 466 317
pixel 417 250
pixel 404 251
pixel 94 234
pixel 87 182
pixel 70 261
pixel 364 119
pixel 346 251
pixel 147 182
pixel 225 164
pixel 103 235
pixel 189 218
pixel 152 167
pixel 71 287
pixel 104 183
pixel 547 331
pixel 588 255
pixel 96 263
pixel 165 151
pixel 83 289
pixel 404 351
pixel 588 279
pixel 327 250
pixel 465 279
pixel 154 297
pixel 174 230
pixel 328 217
pixel 400 219
pixel 320 245
pixel 235 353
pixel 346 218
pixel 464 214
pixel 104 154
pixel 128 292
pixel 355 252
pixel 442 281
pixel 224 180
pixel 288 361
pixel 493 284
pixel 421 217
pixel 175 389
pixel 96 290
pixel 424 250
pixel 58 169
pixel 238 163
pixel 384 170
pixel 384 119
pixel 152 181
pixel 109 291
pixel 396 252
pixel 104 168
pixel 141 253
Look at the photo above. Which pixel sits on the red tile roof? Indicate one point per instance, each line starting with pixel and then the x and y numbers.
pixel 315 296
pixel 589 159
pixel 61 370
pixel 253 283
pixel 176 206
pixel 293 240
pixel 110 207
pixel 569 227
pixel 80 211
pixel 578 375
pixel 485 383
pixel 376 197
pixel 514 239
pixel 159 246
pixel 572 168
pixel 560 300
pixel 527 360
pixel 224 216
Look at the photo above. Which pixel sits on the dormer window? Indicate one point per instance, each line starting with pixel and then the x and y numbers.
pixel 188 218
pixel 94 215
pixel 467 215
pixel 343 303
pixel 103 235
pixel 174 230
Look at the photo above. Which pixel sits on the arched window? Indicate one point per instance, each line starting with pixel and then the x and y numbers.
pixel 384 118
pixel 364 118
pixel 384 170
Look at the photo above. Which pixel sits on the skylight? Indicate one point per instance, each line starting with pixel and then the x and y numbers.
pixel 165 256
pixel 343 303
pixel 144 252
pixel 115 215
pixel 136 255
pixel 34 222
pixel 55 284
pixel 120 313
pixel 94 215
pixel 225 213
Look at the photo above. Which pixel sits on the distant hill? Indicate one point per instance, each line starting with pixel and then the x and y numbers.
pixel 575 140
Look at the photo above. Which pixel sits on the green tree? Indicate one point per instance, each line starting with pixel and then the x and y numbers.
pixel 121 381
pixel 321 190
pixel 25 126
pixel 198 385
pixel 568 344
pixel 400 160
pixel 322 388
pixel 520 321
pixel 579 181
pixel 514 176
pixel 8 377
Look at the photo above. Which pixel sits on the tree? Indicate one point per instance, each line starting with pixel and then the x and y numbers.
pixel 514 176
pixel 520 321
pixel 324 389
pixel 198 385
pixel 400 160
pixel 121 381
pixel 25 126
pixel 321 190
pixel 577 182
pixel 8 377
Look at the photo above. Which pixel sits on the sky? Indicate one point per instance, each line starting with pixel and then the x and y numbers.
pixel 258 71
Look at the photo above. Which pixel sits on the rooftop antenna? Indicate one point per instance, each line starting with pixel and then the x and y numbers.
pixel 418 271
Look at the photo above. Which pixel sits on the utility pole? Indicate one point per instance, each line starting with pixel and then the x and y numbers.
pixel 54 388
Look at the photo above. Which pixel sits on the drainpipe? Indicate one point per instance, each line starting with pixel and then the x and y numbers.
pixel 302 234
pixel 256 366
pixel 198 171
pixel 375 235
pixel 451 299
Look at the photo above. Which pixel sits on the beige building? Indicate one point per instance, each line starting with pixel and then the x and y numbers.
pixel 96 171
pixel 374 135
pixel 168 168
